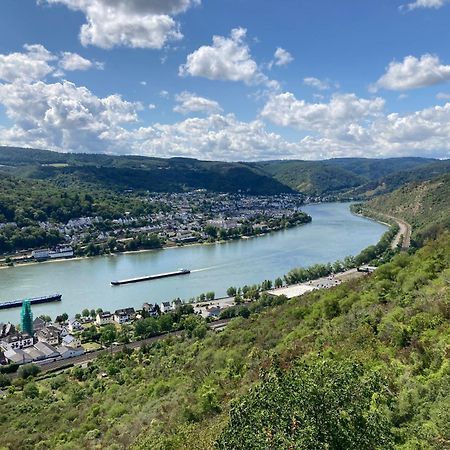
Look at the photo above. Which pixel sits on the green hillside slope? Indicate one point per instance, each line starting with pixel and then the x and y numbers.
pixel 426 205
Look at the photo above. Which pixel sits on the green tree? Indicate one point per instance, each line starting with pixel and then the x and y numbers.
pixel 85 312
pixel 324 404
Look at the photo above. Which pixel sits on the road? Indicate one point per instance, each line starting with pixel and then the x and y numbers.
pixel 404 232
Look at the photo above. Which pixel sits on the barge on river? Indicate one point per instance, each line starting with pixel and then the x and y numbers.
pixel 151 277
pixel 33 301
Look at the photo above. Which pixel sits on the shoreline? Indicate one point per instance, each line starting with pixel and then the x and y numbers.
pixel 131 252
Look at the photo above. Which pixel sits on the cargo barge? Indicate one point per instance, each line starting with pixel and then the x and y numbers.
pixel 33 301
pixel 151 277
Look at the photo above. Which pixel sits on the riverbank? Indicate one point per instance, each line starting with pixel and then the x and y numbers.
pixel 170 246
pixel 333 234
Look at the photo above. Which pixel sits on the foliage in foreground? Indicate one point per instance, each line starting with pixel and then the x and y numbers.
pixel 391 329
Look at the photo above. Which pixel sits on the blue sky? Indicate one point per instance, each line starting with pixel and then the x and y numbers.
pixel 228 79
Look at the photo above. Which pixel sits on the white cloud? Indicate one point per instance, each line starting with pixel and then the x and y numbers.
pixel 189 102
pixel 151 106
pixel 342 111
pixel 164 93
pixel 62 115
pixel 282 57
pixel 413 73
pixel 228 58
pixel 31 65
pixel 72 61
pixel 130 23
pixel 217 137
pixel 436 4
pixel 322 85
pixel 443 96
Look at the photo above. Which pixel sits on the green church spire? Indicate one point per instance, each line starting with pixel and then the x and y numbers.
pixel 26 318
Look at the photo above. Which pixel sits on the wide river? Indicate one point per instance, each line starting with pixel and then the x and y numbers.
pixel 85 283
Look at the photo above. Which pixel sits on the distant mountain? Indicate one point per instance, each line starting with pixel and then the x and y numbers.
pixel 137 172
pixel 340 178
pixel 348 176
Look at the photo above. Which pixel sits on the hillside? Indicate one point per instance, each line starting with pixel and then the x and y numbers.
pixel 334 178
pixel 425 205
pixel 350 177
pixel 364 365
pixel 135 172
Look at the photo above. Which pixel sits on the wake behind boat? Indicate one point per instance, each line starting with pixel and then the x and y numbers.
pixel 151 277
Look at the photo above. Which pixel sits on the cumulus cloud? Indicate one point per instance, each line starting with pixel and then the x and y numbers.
pixel 322 85
pixel 412 73
pixel 436 4
pixel 62 115
pixel 130 23
pixel 228 58
pixel 31 65
pixel 217 137
pixel 342 111
pixel 282 57
pixel 72 61
pixel 189 102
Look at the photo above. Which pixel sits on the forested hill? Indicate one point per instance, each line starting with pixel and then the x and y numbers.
pixel 136 172
pixel 335 178
pixel 425 205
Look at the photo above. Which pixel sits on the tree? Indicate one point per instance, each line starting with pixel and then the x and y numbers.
pixel 278 282
pixel 108 334
pixel 45 318
pixel 85 312
pixel 31 390
pixel 28 370
pixel 318 405
pixel 231 291
pixel 210 296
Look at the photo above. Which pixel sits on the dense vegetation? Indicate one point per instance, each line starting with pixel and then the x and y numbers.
pixel 425 206
pixel 342 178
pixel 387 334
pixel 28 202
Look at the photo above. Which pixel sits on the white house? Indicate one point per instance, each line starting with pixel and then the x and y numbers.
pixel 71 341
pixel 16 341
pixel 17 356
pixel 104 318
pixel 49 334
pixel 68 352
pixel 124 315
pixel 165 307
pixel 74 325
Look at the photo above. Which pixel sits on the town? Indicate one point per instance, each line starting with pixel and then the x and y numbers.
pixel 179 218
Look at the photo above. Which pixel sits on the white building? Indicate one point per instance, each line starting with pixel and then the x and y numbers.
pixel 104 318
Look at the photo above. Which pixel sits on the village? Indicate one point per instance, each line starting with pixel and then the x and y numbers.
pixel 179 218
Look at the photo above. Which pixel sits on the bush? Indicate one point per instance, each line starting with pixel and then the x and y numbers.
pixel 28 370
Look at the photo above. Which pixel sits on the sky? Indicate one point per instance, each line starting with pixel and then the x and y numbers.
pixel 231 80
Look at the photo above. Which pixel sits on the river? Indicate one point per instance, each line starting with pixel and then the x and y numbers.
pixel 85 283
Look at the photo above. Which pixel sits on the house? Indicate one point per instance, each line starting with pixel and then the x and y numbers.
pixel 41 253
pixel 34 353
pixel 48 350
pixel 16 341
pixel 71 341
pixel 150 309
pixel 104 318
pixel 17 356
pixel 68 352
pixel 124 315
pixel 38 324
pixel 6 329
pixel 49 334
pixel 176 303
pixel 213 311
pixel 74 325
pixel 165 307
